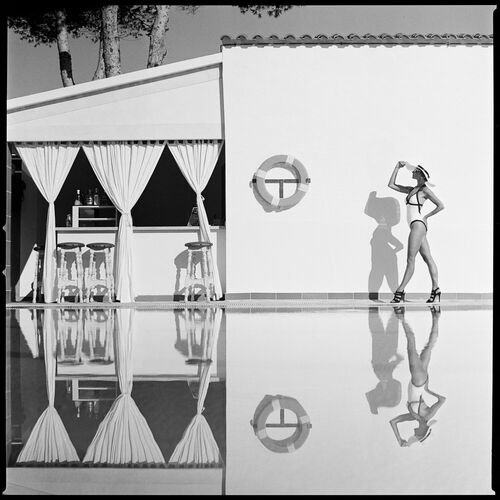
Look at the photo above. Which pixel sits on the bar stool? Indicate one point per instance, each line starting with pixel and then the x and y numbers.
pixel 206 279
pixel 63 278
pixel 38 280
pixel 91 278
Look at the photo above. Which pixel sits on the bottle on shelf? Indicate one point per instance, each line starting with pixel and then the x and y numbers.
pixel 89 199
pixel 78 199
pixel 97 198
pixel 68 220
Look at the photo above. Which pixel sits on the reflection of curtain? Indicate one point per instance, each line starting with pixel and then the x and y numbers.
pixel 49 164
pixel 197 160
pixel 198 446
pixel 124 437
pixel 123 169
pixel 49 442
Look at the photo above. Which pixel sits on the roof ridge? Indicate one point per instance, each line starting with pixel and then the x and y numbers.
pixel 356 39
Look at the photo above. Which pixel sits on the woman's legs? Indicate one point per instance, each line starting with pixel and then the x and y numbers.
pixel 425 355
pixel 425 252
pixel 417 368
pixel 417 233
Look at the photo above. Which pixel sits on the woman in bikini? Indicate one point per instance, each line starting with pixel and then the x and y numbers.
pixel 418 408
pixel 417 240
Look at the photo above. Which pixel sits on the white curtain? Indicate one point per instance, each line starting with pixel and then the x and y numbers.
pixel 123 169
pixel 49 164
pixel 49 442
pixel 197 160
pixel 124 436
pixel 198 447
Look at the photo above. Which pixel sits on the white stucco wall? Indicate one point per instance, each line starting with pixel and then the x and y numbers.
pixel 349 114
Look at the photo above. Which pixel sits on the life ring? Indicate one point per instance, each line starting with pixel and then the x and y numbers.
pixel 303 181
pixel 274 403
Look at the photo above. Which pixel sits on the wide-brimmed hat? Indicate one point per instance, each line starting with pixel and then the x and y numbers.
pixel 421 169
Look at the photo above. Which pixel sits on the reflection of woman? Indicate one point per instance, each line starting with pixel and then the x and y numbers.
pixel 418 408
pixel 417 240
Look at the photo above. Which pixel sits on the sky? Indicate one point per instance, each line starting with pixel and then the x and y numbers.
pixel 31 69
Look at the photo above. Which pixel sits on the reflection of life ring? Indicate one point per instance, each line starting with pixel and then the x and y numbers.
pixel 302 180
pixel 275 403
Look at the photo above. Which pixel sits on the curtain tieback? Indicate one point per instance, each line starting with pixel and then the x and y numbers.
pixel 200 196
pixel 127 217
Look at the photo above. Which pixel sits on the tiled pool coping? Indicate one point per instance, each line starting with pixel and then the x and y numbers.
pixel 303 304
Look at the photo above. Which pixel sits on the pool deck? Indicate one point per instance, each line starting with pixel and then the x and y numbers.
pixel 270 305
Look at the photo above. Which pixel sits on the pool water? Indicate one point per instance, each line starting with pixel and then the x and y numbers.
pixel 248 401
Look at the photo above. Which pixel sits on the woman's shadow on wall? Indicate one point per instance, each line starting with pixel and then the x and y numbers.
pixel 385 211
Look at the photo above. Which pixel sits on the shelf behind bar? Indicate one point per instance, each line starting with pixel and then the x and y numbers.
pixel 94 206
pixel 136 228
pixel 84 219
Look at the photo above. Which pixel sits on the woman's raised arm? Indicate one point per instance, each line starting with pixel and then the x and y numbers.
pixel 392 181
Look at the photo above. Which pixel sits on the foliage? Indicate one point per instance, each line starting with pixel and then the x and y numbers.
pixel 37 25
pixel 271 10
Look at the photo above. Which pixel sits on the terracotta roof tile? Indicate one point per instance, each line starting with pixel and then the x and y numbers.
pixel 355 39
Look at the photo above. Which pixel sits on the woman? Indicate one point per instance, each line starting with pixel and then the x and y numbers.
pixel 417 407
pixel 417 240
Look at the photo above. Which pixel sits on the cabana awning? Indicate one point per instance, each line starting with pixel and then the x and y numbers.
pixel 176 101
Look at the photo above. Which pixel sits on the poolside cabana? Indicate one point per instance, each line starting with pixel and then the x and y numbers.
pixel 123 126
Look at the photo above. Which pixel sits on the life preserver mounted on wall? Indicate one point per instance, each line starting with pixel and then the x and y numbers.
pixel 302 179
pixel 274 403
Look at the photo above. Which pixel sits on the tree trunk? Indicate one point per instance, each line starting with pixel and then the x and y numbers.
pixel 110 40
pixel 157 42
pixel 65 65
pixel 100 70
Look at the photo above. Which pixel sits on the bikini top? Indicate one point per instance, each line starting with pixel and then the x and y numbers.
pixel 411 193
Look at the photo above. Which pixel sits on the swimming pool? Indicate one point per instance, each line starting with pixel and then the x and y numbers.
pixel 246 401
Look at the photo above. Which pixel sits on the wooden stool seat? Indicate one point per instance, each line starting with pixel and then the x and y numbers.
pixel 70 245
pixel 206 268
pixel 198 245
pixel 99 246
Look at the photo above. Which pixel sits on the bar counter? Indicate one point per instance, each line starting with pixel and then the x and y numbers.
pixel 160 257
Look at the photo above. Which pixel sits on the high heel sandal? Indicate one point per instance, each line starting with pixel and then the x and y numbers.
pixel 435 310
pixel 398 297
pixel 434 293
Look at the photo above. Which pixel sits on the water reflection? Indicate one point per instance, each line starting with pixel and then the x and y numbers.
pixel 124 437
pixel 146 390
pixel 49 443
pixel 83 336
pixel 70 336
pixel 418 408
pixel 385 358
pixel 198 448
pixel 98 332
pixel 302 424
pixel 81 346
